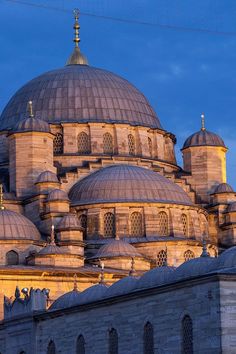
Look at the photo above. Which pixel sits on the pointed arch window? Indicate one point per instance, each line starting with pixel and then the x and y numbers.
pixel 150 146
pixel 188 255
pixel 187 335
pixel 51 348
pixel 131 144
pixel 12 258
pixel 58 144
pixel 83 143
pixel 107 143
pixel 148 339
pixel 80 345
pixel 161 260
pixel 184 221
pixel 113 341
pixel 163 224
pixel 136 224
pixel 109 225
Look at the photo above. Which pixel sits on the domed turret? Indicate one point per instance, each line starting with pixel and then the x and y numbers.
pixel 58 201
pixel 223 188
pixel 204 157
pixel 31 124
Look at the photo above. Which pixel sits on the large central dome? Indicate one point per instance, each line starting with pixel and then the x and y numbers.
pixel 80 93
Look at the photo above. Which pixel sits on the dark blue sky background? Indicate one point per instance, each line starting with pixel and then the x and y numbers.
pixel 182 73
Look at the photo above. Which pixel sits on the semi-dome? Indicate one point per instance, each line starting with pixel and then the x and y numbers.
pixel 93 293
pixel 66 300
pixel 16 226
pixel 57 194
pixel 126 183
pixel 80 93
pixel 155 277
pixel 47 176
pixel 122 286
pixel 69 222
pixel 195 267
pixel 117 248
pixel 224 188
pixel 203 138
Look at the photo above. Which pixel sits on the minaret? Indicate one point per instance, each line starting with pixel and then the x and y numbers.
pixel 77 58
pixel 30 153
pixel 204 156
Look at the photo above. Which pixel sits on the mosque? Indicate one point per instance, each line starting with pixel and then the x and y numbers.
pixel 123 250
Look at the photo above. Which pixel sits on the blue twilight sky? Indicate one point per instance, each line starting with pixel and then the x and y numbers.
pixel 181 72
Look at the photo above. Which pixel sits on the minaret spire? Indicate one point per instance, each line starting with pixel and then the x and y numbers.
pixel 203 122
pixel 77 58
pixel 1 198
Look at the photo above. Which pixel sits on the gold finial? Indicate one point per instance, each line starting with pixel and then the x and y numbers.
pixel 75 283
pixel 30 109
pixel 77 58
pixel 203 121
pixel 1 197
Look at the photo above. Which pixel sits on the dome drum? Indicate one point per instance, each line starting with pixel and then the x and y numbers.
pixel 63 260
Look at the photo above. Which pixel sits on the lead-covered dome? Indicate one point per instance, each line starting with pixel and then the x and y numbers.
pixel 203 138
pixel 14 226
pixel 80 93
pixel 126 183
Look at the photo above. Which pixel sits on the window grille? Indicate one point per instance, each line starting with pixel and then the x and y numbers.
pixel 188 255
pixel 109 225
pixel 80 345
pixel 163 223
pixel 58 144
pixel 187 335
pixel 83 223
pixel 131 144
pixel 136 224
pixel 184 221
pixel 12 258
pixel 161 260
pixel 107 143
pixel 150 146
pixel 83 143
pixel 113 341
pixel 148 340
pixel 51 348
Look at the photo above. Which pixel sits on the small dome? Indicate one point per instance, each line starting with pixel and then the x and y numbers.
pixel 127 183
pixel 117 248
pixel 195 267
pixel 94 293
pixel 47 176
pixel 227 259
pixel 223 188
pixel 203 138
pixel 69 221
pixel 122 286
pixel 231 207
pixel 66 300
pixel 57 194
pixel 16 226
pixel 31 124
pixel 156 276
pixel 51 249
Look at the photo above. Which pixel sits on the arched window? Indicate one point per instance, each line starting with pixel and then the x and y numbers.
pixel 80 345
pixel 136 222
pixel 184 220
pixel 148 340
pixel 188 255
pixel 12 258
pixel 83 143
pixel 83 223
pixel 163 224
pixel 109 225
pixel 150 146
pixel 131 144
pixel 107 143
pixel 113 341
pixel 161 259
pixel 187 335
pixel 51 348
pixel 58 144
